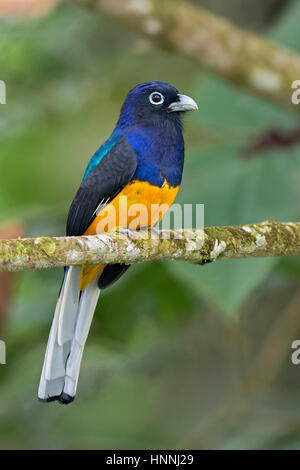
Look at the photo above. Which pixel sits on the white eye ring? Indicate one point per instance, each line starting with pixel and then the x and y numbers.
pixel 154 95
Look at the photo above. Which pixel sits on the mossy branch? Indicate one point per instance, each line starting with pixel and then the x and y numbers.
pixel 241 57
pixel 196 246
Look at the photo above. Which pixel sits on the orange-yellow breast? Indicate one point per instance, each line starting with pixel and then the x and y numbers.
pixel 138 205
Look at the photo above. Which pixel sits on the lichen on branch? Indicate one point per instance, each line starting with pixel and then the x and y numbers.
pixel 195 246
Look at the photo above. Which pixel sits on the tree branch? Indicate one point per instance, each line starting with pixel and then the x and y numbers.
pixel 196 246
pixel 241 57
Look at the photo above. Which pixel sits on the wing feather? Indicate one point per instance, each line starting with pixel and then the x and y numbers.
pixel 102 184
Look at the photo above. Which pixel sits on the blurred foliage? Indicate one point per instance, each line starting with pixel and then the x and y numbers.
pixel 179 355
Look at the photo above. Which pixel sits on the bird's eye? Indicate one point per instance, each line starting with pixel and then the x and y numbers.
pixel 156 98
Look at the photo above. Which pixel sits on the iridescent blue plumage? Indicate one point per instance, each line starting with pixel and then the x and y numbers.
pixel 102 151
pixel 160 155
pixel 154 134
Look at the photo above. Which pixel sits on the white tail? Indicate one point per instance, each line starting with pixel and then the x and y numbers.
pixel 70 327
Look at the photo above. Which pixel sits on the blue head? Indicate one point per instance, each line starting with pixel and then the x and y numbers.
pixel 150 118
pixel 154 104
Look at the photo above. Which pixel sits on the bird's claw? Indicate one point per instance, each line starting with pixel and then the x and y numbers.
pixel 154 231
pixel 126 231
pixel 157 232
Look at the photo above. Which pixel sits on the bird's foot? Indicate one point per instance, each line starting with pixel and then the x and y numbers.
pixel 129 233
pixel 154 231
pixel 157 232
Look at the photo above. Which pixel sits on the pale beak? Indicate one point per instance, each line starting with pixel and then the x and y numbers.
pixel 184 103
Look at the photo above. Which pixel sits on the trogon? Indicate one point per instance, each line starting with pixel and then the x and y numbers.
pixel 140 163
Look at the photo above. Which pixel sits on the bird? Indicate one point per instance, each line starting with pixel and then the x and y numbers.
pixel 142 161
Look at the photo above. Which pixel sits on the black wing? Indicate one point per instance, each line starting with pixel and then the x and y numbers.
pixel 101 186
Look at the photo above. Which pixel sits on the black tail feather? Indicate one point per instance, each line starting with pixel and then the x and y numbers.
pixel 111 273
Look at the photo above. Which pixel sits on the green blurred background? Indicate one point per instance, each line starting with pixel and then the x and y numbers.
pixel 178 356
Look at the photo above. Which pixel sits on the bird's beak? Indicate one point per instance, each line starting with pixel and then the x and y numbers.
pixel 184 103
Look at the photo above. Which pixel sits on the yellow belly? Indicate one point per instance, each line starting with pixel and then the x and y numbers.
pixel 138 205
